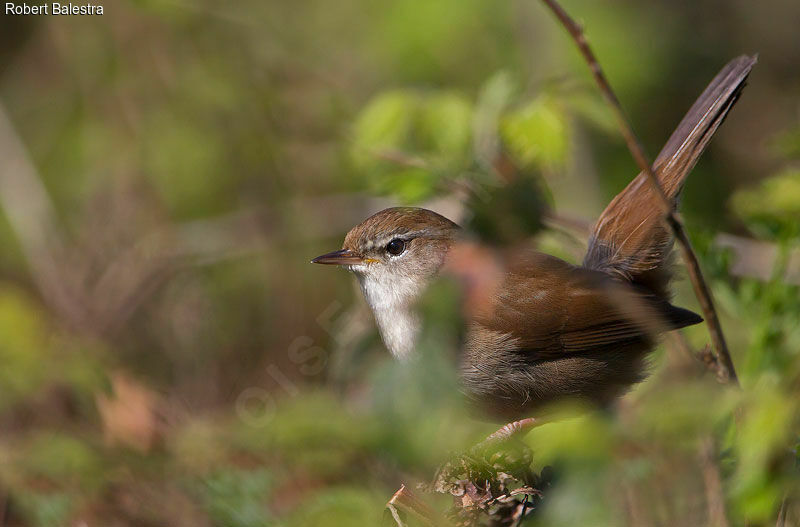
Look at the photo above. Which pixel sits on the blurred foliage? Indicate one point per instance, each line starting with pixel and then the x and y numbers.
pixel 508 214
pixel 773 207
pixel 537 133
pixel 403 143
pixel 168 356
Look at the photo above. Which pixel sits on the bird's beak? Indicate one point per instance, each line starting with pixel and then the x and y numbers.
pixel 342 257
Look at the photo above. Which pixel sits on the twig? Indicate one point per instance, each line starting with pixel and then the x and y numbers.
pixel 398 157
pixel 715 499
pixel 637 517
pixel 727 370
pixel 405 501
pixel 781 521
pixel 395 515
pixel 3 507
pixel 522 513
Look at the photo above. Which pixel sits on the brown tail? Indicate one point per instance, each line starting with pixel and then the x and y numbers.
pixel 630 239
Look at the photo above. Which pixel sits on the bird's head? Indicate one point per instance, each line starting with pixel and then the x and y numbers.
pixel 397 245
pixel 394 254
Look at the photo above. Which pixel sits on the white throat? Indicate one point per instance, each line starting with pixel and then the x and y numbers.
pixel 391 298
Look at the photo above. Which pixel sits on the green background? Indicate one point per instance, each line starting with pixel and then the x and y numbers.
pixel 169 357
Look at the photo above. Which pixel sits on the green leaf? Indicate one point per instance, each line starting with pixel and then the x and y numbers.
pixel 446 124
pixel 63 460
pixel 341 507
pixel 538 133
pixel 403 143
pixel 409 186
pixel 773 206
pixel 45 509
pixel 787 143
pixel 592 108
pixel 494 97
pixel 24 347
pixel 384 124
pixel 764 434
pixel 237 498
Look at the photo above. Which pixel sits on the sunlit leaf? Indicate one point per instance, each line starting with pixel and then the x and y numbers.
pixel 446 123
pixel 24 350
pixel 495 95
pixel 538 133
pixel 774 204
pixel 384 124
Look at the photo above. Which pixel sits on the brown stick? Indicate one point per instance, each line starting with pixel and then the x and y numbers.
pixel 404 501
pixel 727 371
pixel 715 498
pixel 781 521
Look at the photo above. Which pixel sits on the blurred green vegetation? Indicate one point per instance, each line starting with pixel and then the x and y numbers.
pixel 168 356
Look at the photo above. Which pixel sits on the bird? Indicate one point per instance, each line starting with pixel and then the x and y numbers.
pixel 547 330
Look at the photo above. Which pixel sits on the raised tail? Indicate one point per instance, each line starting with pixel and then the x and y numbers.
pixel 630 239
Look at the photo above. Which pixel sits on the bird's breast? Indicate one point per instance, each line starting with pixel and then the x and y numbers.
pixel 391 300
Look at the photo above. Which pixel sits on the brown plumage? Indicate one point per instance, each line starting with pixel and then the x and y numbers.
pixel 630 239
pixel 544 329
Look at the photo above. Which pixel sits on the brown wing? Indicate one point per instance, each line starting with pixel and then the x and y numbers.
pixel 552 308
pixel 630 239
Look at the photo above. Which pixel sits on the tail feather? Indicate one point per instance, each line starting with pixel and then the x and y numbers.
pixel 630 239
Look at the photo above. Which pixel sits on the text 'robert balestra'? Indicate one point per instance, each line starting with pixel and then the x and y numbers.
pixel 53 9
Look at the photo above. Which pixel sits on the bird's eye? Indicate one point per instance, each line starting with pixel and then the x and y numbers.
pixel 396 247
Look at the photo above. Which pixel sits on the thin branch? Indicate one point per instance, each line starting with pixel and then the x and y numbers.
pixel 404 501
pixel 727 370
pixel 403 159
pixel 637 517
pixel 715 498
pixel 522 512
pixel 4 508
pixel 781 521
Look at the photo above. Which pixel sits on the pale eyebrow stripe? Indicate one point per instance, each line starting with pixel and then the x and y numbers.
pixel 405 236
